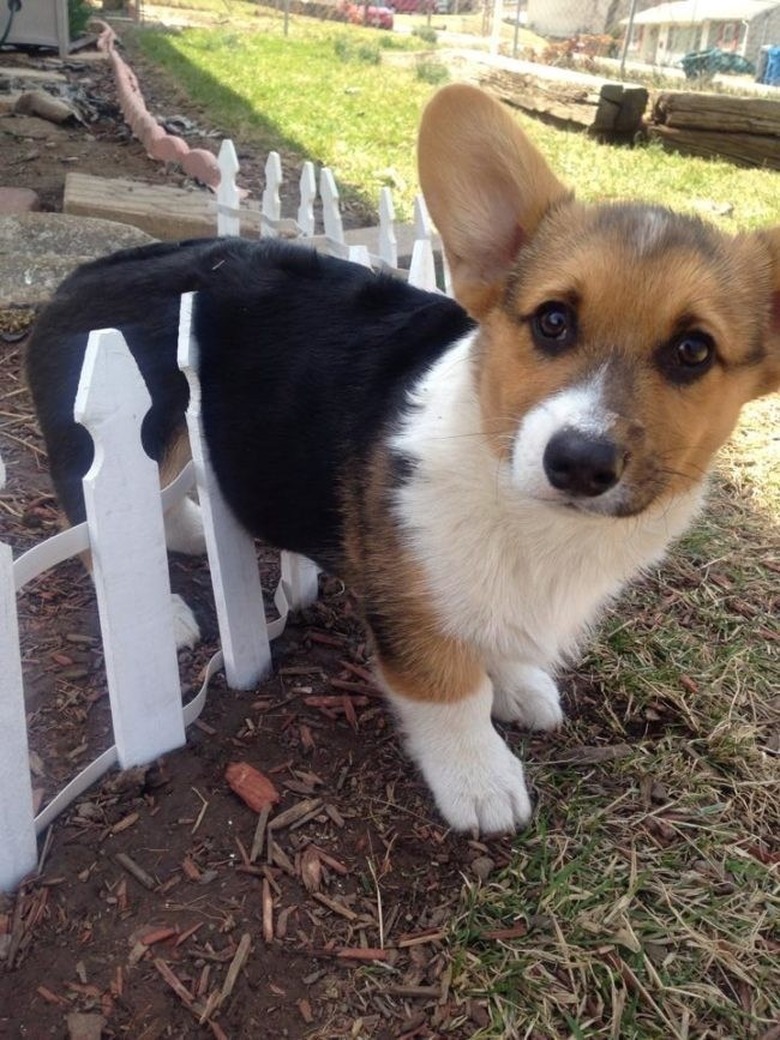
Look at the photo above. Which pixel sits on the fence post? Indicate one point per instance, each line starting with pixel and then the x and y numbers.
pixel 423 230
pixel 359 254
pixel 237 593
pixel 422 269
pixel 272 202
pixel 228 219
pixel 422 219
pixel 308 193
pixel 130 566
pixel 331 214
pixel 18 853
pixel 388 244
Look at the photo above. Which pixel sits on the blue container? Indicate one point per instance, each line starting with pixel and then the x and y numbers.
pixel 772 70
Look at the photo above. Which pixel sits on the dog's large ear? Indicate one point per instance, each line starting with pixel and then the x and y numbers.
pixel 486 186
pixel 771 238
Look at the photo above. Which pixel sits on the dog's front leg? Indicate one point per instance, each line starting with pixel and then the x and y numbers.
pixel 525 694
pixel 478 784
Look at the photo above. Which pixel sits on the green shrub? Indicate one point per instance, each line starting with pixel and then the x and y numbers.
pixel 79 13
pixel 369 54
pixel 432 72
pixel 342 48
pixel 365 53
pixel 426 33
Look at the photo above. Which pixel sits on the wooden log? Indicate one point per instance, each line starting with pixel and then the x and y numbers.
pixel 162 211
pixel 718 112
pixel 743 149
pixel 603 107
pixel 564 104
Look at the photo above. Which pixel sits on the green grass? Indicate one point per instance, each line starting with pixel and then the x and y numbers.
pixel 320 93
pixel 645 886
pixel 339 95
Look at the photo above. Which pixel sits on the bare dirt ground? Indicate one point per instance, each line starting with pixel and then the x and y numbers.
pixel 334 928
pixel 38 154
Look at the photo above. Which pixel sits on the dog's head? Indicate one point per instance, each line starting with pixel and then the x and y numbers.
pixel 617 343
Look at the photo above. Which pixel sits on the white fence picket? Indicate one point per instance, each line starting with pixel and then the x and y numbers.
pixel 331 215
pixel 422 269
pixel 125 521
pixel 126 535
pixel 423 232
pixel 271 209
pixel 359 254
pixel 228 214
pixel 308 194
pixel 18 852
pixel 422 219
pixel 388 243
pixel 237 593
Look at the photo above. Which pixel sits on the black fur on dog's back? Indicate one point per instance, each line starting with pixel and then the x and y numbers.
pixel 304 364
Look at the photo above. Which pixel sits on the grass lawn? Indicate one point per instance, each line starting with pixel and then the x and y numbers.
pixel 320 94
pixel 642 903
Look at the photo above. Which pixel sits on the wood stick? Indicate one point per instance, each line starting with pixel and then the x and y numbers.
pixel 137 872
pixel 236 965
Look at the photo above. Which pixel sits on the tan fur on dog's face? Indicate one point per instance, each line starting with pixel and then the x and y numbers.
pixel 636 280
pixel 645 292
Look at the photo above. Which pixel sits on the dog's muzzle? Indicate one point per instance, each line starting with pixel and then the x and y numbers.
pixel 581 464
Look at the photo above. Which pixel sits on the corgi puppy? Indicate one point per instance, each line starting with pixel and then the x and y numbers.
pixel 486 474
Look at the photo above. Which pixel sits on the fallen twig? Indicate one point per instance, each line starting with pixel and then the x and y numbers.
pixel 236 965
pixel 137 872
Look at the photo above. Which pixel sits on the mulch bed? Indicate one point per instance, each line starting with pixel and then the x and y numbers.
pixel 164 906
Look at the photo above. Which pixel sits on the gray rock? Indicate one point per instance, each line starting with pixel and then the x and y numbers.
pixel 38 250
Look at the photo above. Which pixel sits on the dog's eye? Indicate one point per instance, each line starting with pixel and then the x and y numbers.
pixel 694 350
pixel 554 326
pixel 687 356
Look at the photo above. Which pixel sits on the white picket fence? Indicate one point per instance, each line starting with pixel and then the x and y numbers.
pixel 125 532
pixel 333 239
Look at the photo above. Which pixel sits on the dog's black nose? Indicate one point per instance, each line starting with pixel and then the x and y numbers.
pixel 581 463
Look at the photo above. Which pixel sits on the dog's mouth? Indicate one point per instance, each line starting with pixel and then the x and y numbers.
pixel 616 507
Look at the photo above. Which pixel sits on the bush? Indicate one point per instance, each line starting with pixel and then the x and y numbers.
pixel 432 72
pixel 365 53
pixel 79 13
pixel 426 33
pixel 369 54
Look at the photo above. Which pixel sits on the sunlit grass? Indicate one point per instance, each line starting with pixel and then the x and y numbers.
pixel 312 94
pixel 308 94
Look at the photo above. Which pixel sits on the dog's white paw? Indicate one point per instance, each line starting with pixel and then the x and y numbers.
pixel 480 789
pixel 478 784
pixel 185 628
pixel 526 694
pixel 184 528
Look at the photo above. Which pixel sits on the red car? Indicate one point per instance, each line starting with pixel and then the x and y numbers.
pixel 414 6
pixel 376 15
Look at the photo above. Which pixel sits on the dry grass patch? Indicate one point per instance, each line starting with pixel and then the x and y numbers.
pixel 643 902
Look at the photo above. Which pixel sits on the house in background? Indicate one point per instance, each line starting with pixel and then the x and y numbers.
pixel 663 35
pixel 562 18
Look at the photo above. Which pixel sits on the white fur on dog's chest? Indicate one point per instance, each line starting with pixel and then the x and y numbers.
pixel 510 574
